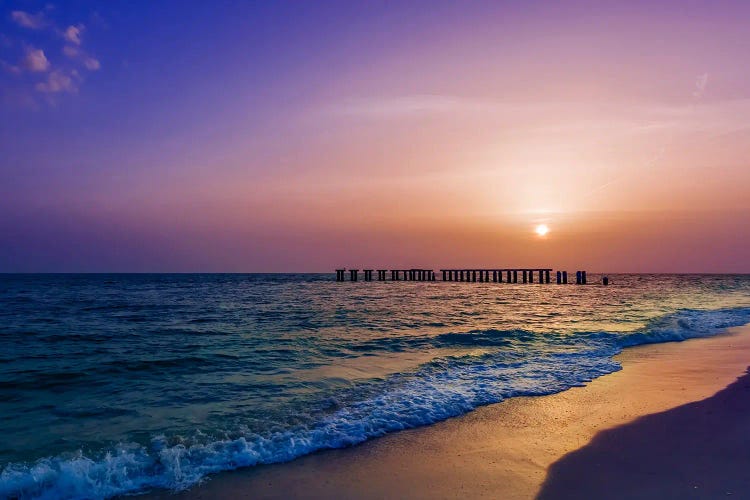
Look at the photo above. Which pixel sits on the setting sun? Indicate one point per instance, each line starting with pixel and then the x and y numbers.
pixel 541 230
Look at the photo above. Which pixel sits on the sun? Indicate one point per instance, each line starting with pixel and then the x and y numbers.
pixel 541 230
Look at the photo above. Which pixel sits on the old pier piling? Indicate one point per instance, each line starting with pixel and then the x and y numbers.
pixel 494 275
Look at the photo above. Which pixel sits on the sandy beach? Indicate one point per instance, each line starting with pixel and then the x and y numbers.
pixel 672 422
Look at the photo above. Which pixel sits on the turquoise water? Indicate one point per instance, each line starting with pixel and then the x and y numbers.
pixel 114 384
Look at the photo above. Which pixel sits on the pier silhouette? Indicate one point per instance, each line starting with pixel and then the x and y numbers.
pixel 474 275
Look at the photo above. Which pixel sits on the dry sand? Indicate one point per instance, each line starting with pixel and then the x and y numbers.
pixel 506 450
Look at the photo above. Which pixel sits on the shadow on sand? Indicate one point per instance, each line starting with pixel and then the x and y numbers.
pixel 699 450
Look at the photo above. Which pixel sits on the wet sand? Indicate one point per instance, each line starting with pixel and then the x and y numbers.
pixel 586 442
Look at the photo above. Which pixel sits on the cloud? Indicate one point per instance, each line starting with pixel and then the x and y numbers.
pixel 73 34
pixel 35 61
pixel 70 51
pixel 91 64
pixel 10 68
pixel 408 105
pixel 31 21
pixel 57 81
pixel 76 54
pixel 701 81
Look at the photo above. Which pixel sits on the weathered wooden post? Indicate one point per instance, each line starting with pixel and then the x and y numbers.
pixel 524 276
pixel 546 276
pixel 578 277
pixel 515 276
pixel 353 274
pixel 605 280
pixel 565 277
pixel 473 276
pixel 531 276
pixel 559 277
pixel 583 277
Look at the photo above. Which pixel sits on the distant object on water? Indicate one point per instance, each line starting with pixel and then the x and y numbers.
pixel 496 275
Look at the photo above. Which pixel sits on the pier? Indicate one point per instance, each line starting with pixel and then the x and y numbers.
pixel 496 275
pixel 484 275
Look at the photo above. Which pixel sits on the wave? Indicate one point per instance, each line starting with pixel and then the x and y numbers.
pixel 443 388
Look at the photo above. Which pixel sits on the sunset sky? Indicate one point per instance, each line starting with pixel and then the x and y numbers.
pixel 305 136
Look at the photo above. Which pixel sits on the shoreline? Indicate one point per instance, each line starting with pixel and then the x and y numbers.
pixel 503 450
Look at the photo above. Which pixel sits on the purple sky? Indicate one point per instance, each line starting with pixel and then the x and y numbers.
pixel 304 136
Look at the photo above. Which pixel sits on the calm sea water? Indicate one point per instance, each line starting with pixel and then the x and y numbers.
pixel 114 384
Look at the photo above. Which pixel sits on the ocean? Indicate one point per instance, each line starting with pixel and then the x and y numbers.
pixel 116 384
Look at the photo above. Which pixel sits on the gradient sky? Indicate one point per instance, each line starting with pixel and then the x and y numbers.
pixel 304 136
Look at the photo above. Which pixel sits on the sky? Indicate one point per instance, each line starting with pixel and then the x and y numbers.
pixel 193 136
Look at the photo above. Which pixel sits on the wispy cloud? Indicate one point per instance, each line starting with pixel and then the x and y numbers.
pixel 91 64
pixel 57 82
pixel 31 21
pixel 379 107
pixel 701 81
pixel 10 68
pixel 72 34
pixel 76 54
pixel 71 51
pixel 35 61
